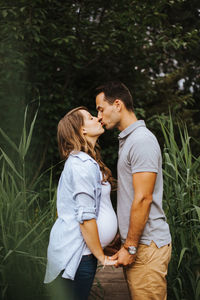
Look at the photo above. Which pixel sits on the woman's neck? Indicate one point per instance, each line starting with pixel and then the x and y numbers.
pixel 92 141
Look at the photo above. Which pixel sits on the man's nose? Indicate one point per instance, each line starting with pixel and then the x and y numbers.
pixel 99 116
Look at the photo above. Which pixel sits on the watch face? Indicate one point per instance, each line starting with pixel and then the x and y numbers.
pixel 132 250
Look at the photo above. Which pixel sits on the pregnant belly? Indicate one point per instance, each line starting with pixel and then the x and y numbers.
pixel 107 226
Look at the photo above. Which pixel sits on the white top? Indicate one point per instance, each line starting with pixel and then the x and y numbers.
pixel 107 219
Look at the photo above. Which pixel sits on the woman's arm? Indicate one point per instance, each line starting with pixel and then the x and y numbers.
pixel 91 236
pixel 84 180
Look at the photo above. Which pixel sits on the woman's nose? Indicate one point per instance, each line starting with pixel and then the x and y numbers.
pixel 99 116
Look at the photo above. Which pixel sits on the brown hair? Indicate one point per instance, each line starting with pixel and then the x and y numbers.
pixel 70 139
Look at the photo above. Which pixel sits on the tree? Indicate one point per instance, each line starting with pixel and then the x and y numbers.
pixel 59 51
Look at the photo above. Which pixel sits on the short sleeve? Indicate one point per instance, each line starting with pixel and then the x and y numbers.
pixel 144 155
pixel 84 181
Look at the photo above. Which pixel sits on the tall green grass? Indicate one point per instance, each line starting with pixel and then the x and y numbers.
pixel 25 220
pixel 182 206
pixel 27 213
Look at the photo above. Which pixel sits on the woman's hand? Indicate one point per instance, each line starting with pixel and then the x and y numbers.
pixel 106 261
pixel 109 262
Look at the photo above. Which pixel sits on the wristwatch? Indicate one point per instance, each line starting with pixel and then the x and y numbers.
pixel 131 249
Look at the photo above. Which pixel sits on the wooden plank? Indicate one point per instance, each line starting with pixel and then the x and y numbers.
pixel 109 284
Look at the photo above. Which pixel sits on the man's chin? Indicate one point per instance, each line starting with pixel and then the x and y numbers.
pixel 108 127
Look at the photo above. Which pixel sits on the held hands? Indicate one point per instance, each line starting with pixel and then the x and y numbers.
pixel 107 261
pixel 122 257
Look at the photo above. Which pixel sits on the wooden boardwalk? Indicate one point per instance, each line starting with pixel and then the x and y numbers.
pixel 109 284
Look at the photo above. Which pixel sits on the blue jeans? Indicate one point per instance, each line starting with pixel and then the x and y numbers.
pixel 79 288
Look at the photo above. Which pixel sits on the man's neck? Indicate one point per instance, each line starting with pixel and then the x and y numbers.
pixel 127 118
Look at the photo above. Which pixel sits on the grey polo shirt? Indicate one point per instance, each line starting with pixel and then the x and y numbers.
pixel 139 151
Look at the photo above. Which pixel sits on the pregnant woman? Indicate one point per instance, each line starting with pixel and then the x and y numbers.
pixel 86 220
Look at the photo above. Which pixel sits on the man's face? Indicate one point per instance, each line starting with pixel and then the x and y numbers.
pixel 107 113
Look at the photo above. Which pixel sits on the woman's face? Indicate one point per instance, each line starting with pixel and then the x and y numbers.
pixel 92 128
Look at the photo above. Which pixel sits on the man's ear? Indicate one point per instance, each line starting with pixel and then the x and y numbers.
pixel 118 104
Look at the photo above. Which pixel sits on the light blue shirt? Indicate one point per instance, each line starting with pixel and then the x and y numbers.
pixel 78 198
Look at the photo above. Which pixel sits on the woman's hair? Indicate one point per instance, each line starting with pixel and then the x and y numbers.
pixel 70 139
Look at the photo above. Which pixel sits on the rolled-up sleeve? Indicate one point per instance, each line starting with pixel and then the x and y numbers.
pixel 85 208
pixel 84 182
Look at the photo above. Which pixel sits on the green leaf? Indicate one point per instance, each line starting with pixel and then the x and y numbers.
pixel 22 8
pixel 22 143
pixel 10 163
pixel 29 232
pixel 198 211
pixel 37 38
pixel 4 13
pixel 181 255
pixel 7 255
pixel 9 140
pixel 30 133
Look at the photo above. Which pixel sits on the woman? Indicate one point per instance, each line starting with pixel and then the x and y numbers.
pixel 86 220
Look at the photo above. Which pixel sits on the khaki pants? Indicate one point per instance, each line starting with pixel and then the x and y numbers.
pixel 146 277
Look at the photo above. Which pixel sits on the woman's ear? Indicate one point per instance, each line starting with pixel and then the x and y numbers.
pixel 83 130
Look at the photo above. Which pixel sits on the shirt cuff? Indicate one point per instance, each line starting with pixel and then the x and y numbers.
pixel 83 214
pixel 151 170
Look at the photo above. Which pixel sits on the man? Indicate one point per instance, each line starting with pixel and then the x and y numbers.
pixel 145 235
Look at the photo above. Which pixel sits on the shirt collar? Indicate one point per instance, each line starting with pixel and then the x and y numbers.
pixel 131 128
pixel 83 156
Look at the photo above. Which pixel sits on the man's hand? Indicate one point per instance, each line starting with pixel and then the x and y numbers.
pixel 123 258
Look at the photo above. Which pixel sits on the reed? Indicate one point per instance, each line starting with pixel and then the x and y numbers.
pixel 182 206
pixel 28 211
pixel 24 222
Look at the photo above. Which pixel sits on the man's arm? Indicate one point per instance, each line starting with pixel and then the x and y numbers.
pixel 143 185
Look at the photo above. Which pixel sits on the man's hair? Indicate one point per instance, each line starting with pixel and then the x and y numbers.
pixel 116 90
